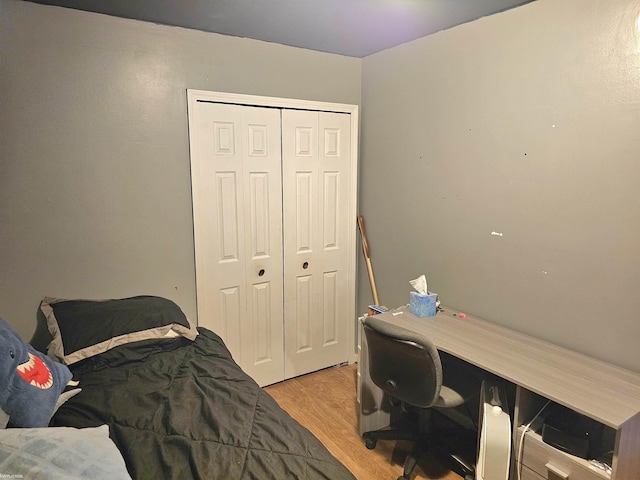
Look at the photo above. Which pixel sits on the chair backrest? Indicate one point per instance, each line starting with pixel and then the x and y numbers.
pixel 404 364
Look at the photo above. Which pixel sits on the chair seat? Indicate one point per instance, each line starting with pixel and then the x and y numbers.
pixel 449 398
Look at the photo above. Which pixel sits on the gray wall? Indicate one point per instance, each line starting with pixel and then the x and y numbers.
pixel 524 124
pixel 95 195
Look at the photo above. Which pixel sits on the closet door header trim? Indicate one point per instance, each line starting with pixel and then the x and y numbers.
pixel 277 102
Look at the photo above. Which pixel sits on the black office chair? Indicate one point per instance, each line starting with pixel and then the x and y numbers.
pixel 408 367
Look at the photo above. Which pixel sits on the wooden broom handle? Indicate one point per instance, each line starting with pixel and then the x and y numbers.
pixel 367 257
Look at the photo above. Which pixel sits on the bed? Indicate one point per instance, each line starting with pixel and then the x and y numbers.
pixel 175 403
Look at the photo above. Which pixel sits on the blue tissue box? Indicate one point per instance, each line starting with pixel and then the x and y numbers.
pixel 423 305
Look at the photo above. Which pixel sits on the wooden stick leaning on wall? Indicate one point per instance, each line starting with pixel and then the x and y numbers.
pixel 367 257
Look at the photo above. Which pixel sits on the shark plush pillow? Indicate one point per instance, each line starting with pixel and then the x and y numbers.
pixel 30 382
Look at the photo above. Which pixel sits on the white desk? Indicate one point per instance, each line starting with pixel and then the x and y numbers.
pixel 540 371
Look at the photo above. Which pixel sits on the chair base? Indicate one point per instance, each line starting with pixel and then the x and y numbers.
pixel 458 463
pixel 419 445
pixel 371 438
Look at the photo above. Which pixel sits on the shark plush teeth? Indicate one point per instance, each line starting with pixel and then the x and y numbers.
pixel 30 382
pixel 35 372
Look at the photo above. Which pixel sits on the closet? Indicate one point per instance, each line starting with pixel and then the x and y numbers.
pixel 274 208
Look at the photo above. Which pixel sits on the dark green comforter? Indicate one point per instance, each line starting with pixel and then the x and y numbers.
pixel 180 410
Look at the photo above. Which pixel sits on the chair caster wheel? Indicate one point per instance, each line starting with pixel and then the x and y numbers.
pixel 370 443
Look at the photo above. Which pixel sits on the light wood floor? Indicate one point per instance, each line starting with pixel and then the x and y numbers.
pixel 325 403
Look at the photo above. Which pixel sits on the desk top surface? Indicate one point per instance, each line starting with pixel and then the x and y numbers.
pixel 602 391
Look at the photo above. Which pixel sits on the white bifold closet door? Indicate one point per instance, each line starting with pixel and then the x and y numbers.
pixel 238 233
pixel 271 235
pixel 315 150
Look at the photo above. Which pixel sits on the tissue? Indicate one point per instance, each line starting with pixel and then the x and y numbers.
pixel 420 285
pixel 422 302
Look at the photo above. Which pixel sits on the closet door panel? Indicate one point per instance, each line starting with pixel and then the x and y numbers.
pixel 331 317
pixel 315 176
pixel 334 165
pixel 303 211
pixel 262 347
pixel 229 241
pixel 262 316
pixel 303 323
pixel 238 231
pixel 218 223
pixel 229 311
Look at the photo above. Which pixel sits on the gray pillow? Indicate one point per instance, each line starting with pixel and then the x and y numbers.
pixel 61 453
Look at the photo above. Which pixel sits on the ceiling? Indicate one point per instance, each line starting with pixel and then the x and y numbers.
pixel 355 28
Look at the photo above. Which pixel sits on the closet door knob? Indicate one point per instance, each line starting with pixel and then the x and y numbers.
pixel 305 265
pixel 261 272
